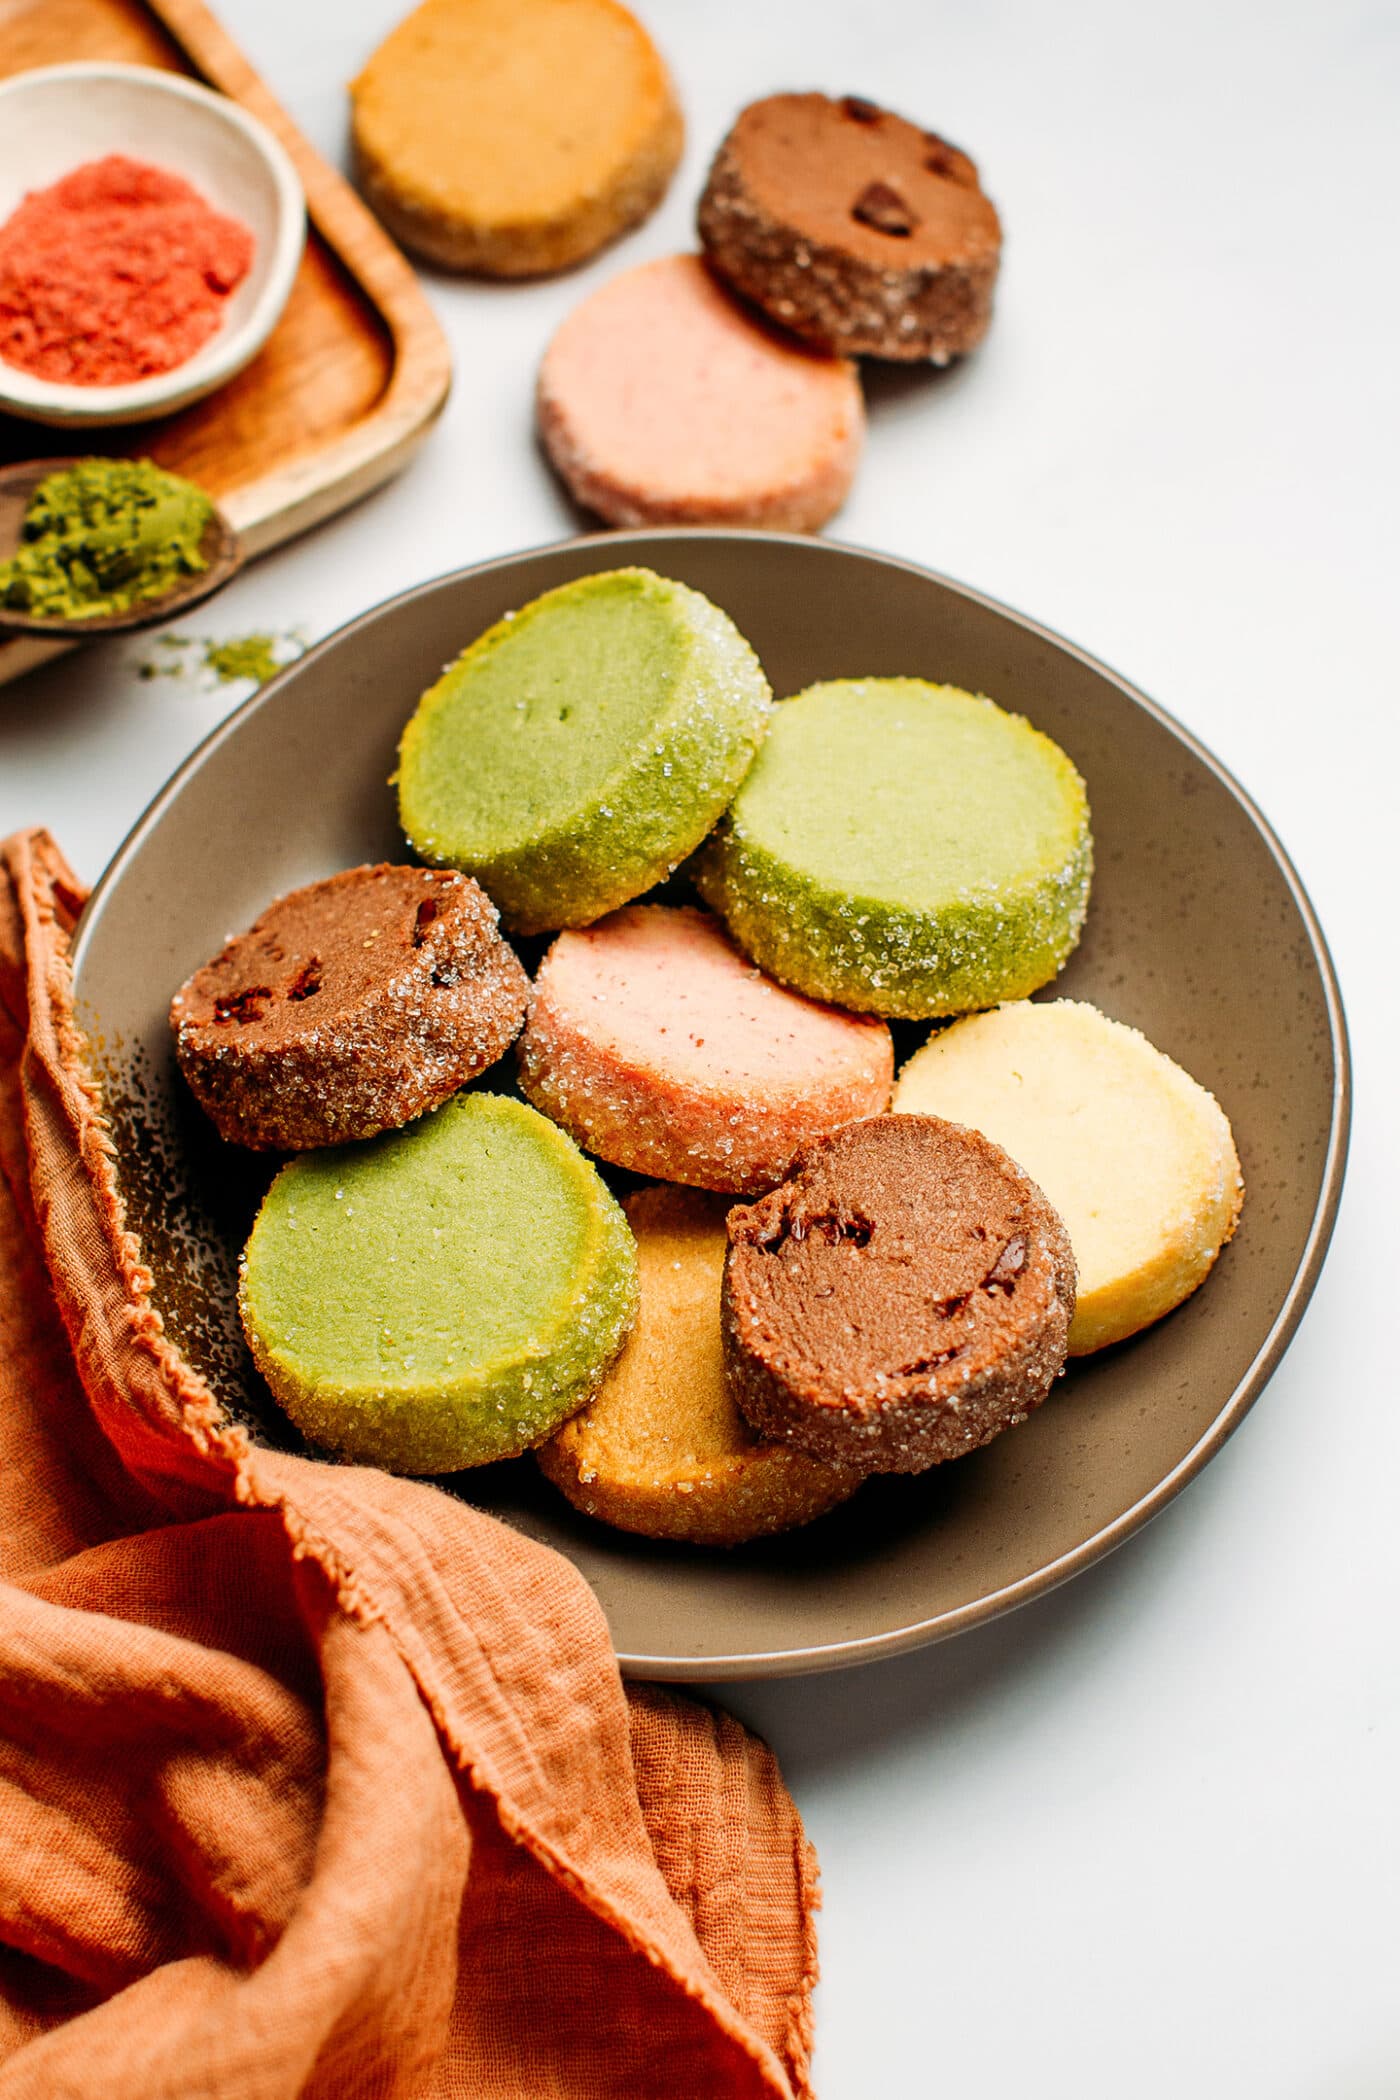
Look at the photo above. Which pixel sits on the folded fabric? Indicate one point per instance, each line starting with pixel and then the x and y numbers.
pixel 318 1782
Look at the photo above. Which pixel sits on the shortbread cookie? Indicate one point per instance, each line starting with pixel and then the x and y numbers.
pixel 513 137
pixel 902 1298
pixel 661 1048
pixel 904 848
pixel 349 1007
pixel 853 227
pixel 583 746
pixel 662 1449
pixel 443 1295
pixel 663 401
pixel 1136 1157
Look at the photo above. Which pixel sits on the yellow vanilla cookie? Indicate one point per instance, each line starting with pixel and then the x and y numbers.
pixel 1136 1157
pixel 662 1449
pixel 514 137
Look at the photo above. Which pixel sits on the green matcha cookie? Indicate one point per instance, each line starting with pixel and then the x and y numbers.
pixel 443 1295
pixel 583 746
pixel 904 848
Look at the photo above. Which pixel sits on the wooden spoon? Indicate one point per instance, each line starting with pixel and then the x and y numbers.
pixel 219 546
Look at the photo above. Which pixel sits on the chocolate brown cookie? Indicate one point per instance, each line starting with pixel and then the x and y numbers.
pixel 904 1296
pixel 350 1007
pixel 853 227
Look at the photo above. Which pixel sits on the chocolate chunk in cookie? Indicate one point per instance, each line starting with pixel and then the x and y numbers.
pixel 902 1298
pixel 350 1007
pixel 854 228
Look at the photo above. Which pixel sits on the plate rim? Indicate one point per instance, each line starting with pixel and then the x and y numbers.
pixel 902 1640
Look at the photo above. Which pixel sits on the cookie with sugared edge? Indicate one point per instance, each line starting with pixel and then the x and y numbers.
pixel 664 401
pixel 349 1007
pixel 583 746
pixel 661 1449
pixel 1135 1155
pixel 441 1296
pixel 514 137
pixel 903 848
pixel 902 1298
pixel 853 227
pixel 661 1048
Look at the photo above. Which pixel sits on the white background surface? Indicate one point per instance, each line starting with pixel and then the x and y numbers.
pixel 1139 1839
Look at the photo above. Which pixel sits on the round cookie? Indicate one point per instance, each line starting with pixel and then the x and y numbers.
pixel 660 1048
pixel 514 137
pixel 576 752
pixel 661 1449
pixel 349 1007
pixel 853 227
pixel 442 1296
pixel 903 848
pixel 1136 1157
pixel 901 1299
pixel 662 401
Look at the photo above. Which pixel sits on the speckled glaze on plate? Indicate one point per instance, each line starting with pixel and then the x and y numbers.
pixel 1199 934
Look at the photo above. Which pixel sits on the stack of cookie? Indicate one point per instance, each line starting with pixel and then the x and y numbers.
pixel 704 1255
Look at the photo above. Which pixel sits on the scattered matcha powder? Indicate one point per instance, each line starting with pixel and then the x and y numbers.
pixel 243 656
pixel 254 657
pixel 102 536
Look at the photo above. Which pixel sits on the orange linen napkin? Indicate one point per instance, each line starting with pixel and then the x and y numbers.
pixel 317 1782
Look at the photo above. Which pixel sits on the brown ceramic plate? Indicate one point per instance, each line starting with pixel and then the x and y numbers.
pixel 1198 933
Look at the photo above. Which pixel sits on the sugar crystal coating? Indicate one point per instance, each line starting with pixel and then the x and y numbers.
pixel 443 1295
pixel 661 1449
pixel 661 1048
pixel 349 1007
pixel 853 227
pixel 903 848
pixel 583 746
pixel 903 1297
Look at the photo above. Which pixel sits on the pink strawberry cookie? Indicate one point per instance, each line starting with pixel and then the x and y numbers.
pixel 658 1046
pixel 663 401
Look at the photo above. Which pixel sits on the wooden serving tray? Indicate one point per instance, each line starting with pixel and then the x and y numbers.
pixel 357 368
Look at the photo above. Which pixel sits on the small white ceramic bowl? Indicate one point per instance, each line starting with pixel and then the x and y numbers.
pixel 56 118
